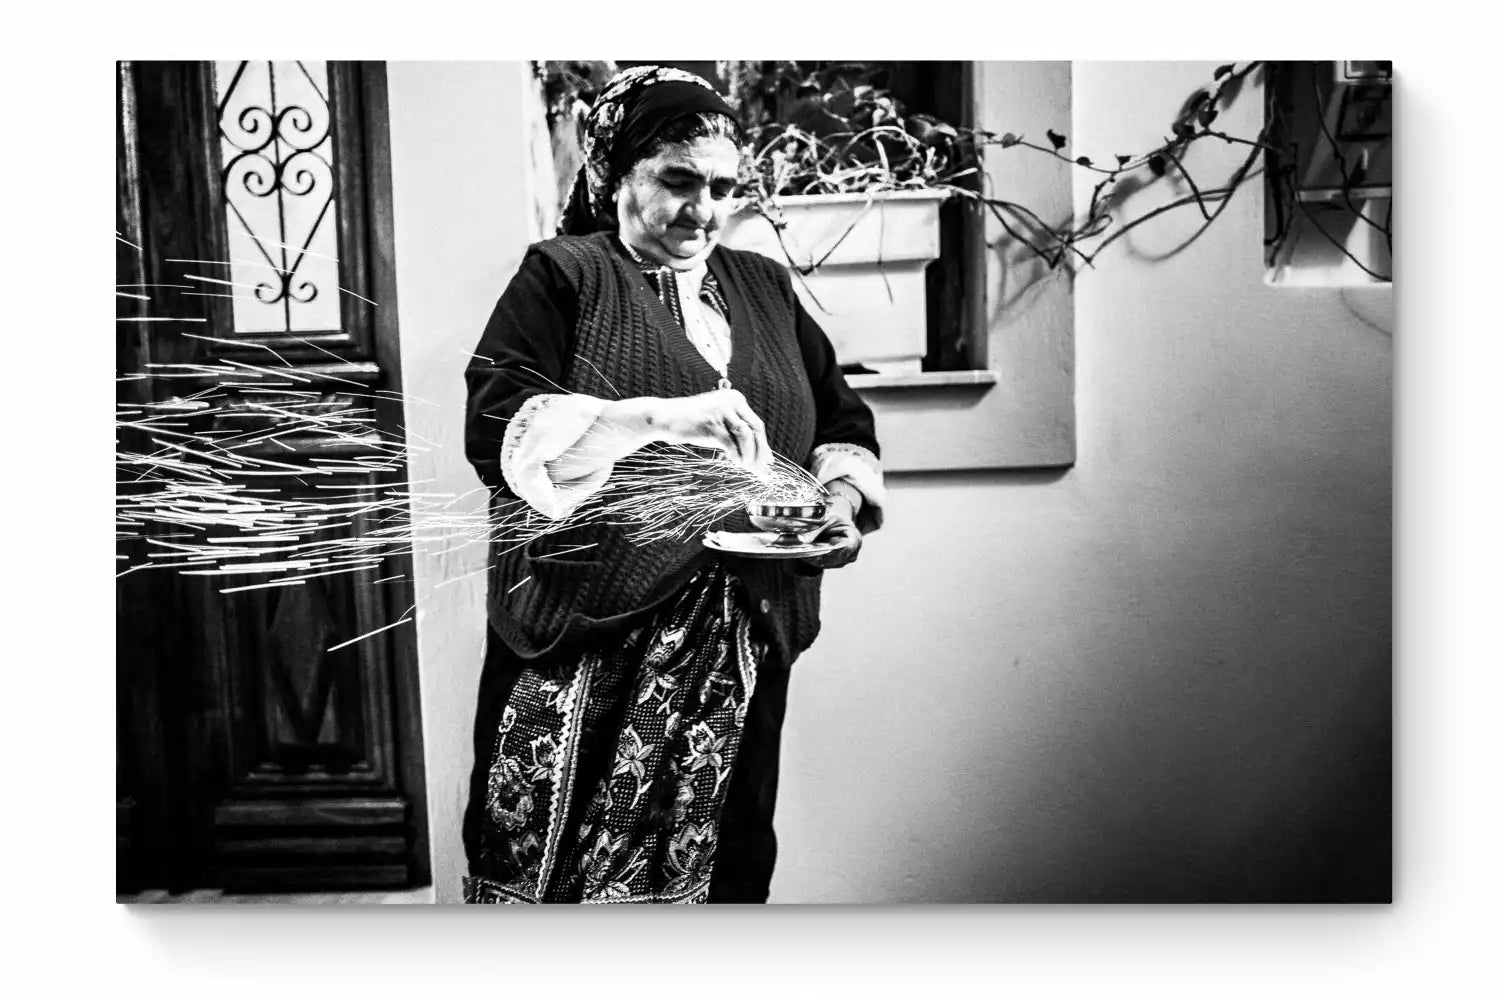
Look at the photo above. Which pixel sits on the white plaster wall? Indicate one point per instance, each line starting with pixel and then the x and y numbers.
pixel 1161 675
pixel 462 220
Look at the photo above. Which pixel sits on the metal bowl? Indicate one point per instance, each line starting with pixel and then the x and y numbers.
pixel 806 511
pixel 788 521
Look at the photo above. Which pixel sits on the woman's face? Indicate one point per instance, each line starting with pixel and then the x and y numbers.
pixel 672 206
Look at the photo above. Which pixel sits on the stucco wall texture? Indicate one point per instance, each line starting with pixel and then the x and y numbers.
pixel 1161 674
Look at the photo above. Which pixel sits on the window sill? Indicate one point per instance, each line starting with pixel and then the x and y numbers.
pixel 923 380
pixel 944 421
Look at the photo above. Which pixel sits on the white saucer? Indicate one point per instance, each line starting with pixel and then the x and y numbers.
pixel 760 545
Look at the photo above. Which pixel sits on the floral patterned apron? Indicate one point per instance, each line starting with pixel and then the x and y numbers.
pixel 654 726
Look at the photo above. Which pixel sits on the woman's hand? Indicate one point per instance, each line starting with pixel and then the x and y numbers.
pixel 838 527
pixel 720 419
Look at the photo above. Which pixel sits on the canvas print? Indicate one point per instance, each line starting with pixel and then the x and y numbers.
pixel 746 481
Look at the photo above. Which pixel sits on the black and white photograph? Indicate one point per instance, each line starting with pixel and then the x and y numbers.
pixel 754 481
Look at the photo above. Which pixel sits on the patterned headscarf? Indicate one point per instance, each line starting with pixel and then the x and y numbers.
pixel 628 115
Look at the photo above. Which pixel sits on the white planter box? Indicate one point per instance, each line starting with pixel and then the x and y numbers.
pixel 870 295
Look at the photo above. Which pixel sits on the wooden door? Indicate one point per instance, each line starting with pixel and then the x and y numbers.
pixel 255 751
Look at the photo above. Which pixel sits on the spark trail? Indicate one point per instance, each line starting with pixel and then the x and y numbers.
pixel 245 475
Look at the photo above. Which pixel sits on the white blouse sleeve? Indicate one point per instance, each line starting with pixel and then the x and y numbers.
pixel 861 469
pixel 543 430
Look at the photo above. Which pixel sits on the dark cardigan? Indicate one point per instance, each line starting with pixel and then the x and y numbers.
pixel 599 307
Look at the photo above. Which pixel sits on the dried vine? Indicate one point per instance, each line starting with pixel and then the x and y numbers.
pixel 833 128
pixel 866 143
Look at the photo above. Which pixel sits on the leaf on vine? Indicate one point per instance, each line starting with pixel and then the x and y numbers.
pixel 1182 129
pixel 1009 139
pixel 839 103
pixel 1230 90
pixel 1206 117
pixel 1223 71
pixel 928 130
pixel 1158 165
pixel 1084 161
pixel 1123 159
pixel 1058 141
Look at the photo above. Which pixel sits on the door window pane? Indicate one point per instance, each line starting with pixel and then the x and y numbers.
pixel 275 131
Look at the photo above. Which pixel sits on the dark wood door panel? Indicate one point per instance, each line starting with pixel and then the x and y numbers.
pixel 257 747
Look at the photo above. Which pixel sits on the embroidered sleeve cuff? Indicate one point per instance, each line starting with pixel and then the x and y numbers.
pixel 543 430
pixel 859 468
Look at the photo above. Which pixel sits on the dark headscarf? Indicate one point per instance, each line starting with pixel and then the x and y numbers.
pixel 631 111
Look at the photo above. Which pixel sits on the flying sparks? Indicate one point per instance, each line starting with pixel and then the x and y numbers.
pixel 282 474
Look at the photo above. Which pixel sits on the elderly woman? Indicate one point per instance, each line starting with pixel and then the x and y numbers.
pixel 628 732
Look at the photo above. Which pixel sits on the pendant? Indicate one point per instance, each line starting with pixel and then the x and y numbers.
pixel 724 382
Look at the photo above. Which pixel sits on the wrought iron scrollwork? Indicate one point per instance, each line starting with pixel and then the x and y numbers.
pixel 274 151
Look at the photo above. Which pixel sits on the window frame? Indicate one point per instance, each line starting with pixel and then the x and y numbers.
pixel 1013 408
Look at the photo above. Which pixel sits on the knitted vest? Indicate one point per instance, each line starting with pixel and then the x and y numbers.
pixel 593 597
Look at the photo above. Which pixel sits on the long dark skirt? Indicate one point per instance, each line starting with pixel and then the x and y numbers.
pixel 645 773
